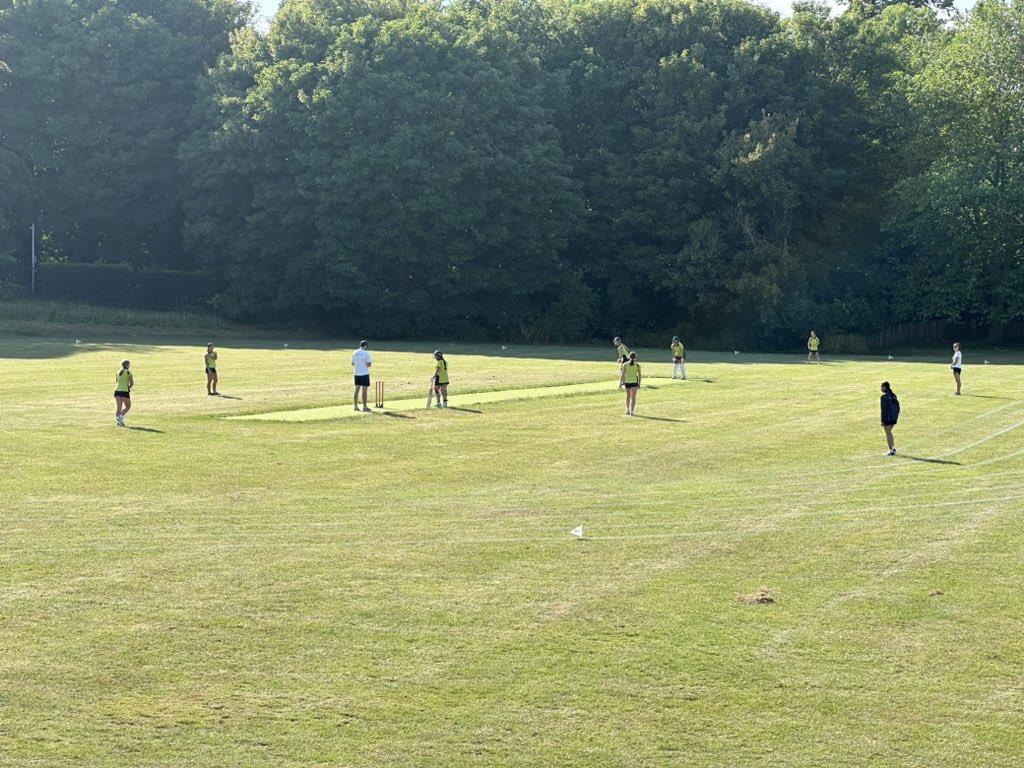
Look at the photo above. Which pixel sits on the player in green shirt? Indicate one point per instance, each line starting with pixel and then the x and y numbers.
pixel 812 347
pixel 629 377
pixel 123 391
pixel 210 359
pixel 621 349
pixel 440 379
pixel 678 358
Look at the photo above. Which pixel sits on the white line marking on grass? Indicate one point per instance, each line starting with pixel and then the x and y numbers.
pixel 555 538
pixel 999 458
pixel 983 440
pixel 263 534
pixel 927 553
pixel 999 410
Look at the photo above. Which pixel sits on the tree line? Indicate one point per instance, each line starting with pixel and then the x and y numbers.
pixel 532 169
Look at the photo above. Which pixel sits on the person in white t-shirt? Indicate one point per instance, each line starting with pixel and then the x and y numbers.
pixel 958 361
pixel 361 362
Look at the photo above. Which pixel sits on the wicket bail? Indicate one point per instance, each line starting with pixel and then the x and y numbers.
pixel 378 394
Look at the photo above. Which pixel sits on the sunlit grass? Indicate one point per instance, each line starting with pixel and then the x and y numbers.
pixel 404 591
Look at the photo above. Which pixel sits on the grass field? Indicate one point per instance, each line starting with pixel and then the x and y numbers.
pixel 404 591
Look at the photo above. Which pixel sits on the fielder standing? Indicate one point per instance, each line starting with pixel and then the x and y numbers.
pixel 812 348
pixel 890 415
pixel 361 363
pixel 440 379
pixel 957 365
pixel 210 359
pixel 629 377
pixel 678 358
pixel 621 349
pixel 123 391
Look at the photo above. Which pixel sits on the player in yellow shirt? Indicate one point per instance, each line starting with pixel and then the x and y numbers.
pixel 678 358
pixel 621 349
pixel 812 348
pixel 210 359
pixel 440 379
pixel 123 391
pixel 629 377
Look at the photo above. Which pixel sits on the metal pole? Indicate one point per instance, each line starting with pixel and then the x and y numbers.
pixel 33 228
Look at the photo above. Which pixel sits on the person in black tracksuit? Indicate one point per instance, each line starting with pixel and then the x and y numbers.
pixel 890 415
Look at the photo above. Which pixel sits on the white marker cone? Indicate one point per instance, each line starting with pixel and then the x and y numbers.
pixel 503 347
pixel 891 357
pixel 577 531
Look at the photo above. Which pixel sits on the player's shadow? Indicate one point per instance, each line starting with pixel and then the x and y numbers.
pixel 659 418
pixel 393 415
pixel 146 429
pixel 463 410
pixel 229 397
pixel 928 461
pixel 990 397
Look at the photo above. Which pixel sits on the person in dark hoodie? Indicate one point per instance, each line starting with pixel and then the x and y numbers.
pixel 890 415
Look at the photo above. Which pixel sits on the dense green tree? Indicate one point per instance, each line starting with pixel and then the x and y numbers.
pixel 725 165
pixel 99 97
pixel 417 180
pixel 530 168
pixel 16 191
pixel 960 213
pixel 854 96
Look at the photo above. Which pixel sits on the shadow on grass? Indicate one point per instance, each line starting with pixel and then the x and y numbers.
pixel 927 461
pixel 393 415
pixel 989 397
pixel 33 331
pixel 461 410
pixel 229 397
pixel 27 348
pixel 146 429
pixel 659 418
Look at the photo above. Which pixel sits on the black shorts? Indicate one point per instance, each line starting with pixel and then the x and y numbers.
pixel 363 381
pixel 125 395
pixel 632 386
pixel 956 370
pixel 888 423
pixel 678 360
pixel 212 370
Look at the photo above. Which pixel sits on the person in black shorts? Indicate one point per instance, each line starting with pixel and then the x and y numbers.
pixel 630 377
pixel 123 391
pixel 210 360
pixel 890 415
pixel 957 365
pixel 361 362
